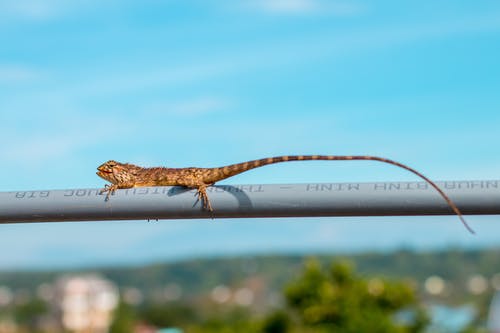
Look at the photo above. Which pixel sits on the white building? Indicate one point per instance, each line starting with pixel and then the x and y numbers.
pixel 85 303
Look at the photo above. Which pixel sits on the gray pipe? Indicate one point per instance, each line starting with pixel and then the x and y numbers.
pixel 258 200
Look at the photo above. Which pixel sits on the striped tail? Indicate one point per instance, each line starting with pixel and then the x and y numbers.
pixel 234 169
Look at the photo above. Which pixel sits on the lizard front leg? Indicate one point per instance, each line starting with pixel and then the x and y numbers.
pixel 111 189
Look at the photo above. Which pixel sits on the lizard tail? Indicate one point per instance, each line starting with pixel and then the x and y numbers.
pixel 234 169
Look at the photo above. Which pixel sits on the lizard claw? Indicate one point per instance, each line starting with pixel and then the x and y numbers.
pixel 203 196
pixel 108 188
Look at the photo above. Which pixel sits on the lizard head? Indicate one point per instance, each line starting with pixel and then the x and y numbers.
pixel 116 172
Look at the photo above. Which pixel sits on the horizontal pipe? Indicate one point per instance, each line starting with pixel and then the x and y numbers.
pixel 257 200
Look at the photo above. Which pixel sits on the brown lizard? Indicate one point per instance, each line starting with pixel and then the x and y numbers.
pixel 125 175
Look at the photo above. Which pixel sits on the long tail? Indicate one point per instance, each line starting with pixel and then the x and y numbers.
pixel 234 169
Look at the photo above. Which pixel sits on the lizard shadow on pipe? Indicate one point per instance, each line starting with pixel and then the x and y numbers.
pixel 240 195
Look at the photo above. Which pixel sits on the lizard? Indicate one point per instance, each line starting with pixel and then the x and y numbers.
pixel 126 175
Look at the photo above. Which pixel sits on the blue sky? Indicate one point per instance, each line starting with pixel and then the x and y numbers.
pixel 209 83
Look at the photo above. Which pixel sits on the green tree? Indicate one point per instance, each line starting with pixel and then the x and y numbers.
pixel 339 300
pixel 27 314
pixel 276 322
pixel 168 314
pixel 124 319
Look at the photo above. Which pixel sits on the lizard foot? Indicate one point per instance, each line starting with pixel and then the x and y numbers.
pixel 203 196
pixel 111 189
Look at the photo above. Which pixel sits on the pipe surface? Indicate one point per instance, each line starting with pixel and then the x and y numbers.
pixel 257 200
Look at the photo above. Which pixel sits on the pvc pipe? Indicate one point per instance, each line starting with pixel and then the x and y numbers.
pixel 256 200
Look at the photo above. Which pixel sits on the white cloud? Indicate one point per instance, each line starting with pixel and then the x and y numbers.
pixel 17 73
pixel 37 10
pixel 109 82
pixel 193 107
pixel 67 134
pixel 323 233
pixel 31 9
pixel 41 148
pixel 286 6
pixel 304 6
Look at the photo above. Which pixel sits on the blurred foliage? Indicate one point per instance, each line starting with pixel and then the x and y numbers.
pixel 317 297
pixel 30 311
pixel 124 319
pixel 198 276
pixel 331 300
pixel 277 322
pixel 236 319
pixel 168 314
pixel 339 300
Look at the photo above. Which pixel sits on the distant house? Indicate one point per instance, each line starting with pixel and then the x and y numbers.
pixel 85 303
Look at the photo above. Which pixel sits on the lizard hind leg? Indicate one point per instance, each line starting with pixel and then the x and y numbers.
pixel 203 196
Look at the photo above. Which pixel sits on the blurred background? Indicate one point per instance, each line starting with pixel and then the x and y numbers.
pixel 209 83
